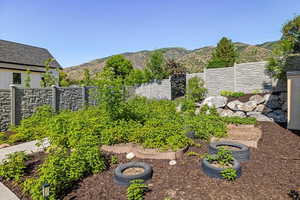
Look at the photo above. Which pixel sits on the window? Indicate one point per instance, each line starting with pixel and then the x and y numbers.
pixel 17 78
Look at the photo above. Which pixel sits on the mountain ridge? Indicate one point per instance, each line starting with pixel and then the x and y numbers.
pixel 194 60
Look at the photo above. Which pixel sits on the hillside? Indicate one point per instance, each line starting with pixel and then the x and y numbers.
pixel 193 60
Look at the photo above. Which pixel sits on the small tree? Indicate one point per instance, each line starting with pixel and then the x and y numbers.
pixel 224 54
pixel 27 79
pixel 63 79
pixel 87 80
pixel 196 90
pixel 289 43
pixel 119 66
pixel 157 65
pixel 48 79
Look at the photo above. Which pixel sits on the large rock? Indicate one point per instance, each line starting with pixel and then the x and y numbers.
pixel 263 109
pixel 239 114
pixel 226 113
pixel 259 116
pixel 234 105
pixel 248 106
pixel 215 101
pixel 257 98
pixel 273 102
pixel 278 116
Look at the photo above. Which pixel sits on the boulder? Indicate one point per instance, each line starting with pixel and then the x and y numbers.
pixel 273 102
pixel 226 113
pixel 257 98
pixel 248 106
pixel 233 105
pixel 283 97
pixel 215 101
pixel 239 114
pixel 284 106
pixel 259 116
pixel 278 116
pixel 263 109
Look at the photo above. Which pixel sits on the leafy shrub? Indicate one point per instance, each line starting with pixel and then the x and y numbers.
pixel 205 109
pixel 136 190
pixel 195 89
pixel 223 157
pixel 239 120
pixel 13 167
pixel 232 94
pixel 33 127
pixel 119 65
pixel 3 138
pixel 114 160
pixel 229 174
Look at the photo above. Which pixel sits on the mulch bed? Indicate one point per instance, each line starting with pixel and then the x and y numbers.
pixel 273 170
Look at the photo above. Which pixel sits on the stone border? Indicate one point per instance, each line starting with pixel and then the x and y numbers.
pixel 143 153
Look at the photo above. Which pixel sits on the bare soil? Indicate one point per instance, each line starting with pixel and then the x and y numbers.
pixel 230 148
pixel 273 170
pixel 133 171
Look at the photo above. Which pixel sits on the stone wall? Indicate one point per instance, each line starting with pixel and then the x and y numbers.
pixel 70 98
pixel 5 109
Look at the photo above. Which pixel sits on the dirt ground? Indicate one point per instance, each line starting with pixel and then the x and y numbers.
pixel 273 170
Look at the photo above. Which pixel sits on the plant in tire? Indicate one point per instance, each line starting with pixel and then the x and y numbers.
pixel 136 190
pixel 229 174
pixel 223 157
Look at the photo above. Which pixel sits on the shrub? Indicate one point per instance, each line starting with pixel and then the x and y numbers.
pixel 33 127
pixel 223 157
pixel 232 94
pixel 136 190
pixel 13 167
pixel 157 65
pixel 239 120
pixel 196 90
pixel 119 66
pixel 3 138
pixel 229 174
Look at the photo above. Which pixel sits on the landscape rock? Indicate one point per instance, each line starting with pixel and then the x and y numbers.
pixel 278 116
pixel 284 106
pixel 239 114
pixel 283 97
pixel 4 145
pixel 226 113
pixel 273 102
pixel 130 155
pixel 257 98
pixel 263 109
pixel 248 106
pixel 259 116
pixel 215 101
pixel 233 105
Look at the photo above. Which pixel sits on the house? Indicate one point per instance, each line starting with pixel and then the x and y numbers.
pixel 293 100
pixel 16 59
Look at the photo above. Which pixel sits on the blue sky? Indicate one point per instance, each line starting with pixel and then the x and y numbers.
pixel 77 31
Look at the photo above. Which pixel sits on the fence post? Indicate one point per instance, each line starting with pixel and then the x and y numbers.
pixel 54 98
pixel 13 105
pixel 84 96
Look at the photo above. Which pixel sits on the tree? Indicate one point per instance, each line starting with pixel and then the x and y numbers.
pixel 119 66
pixel 87 80
pixel 175 68
pixel 195 90
pixel 63 79
pixel 157 65
pixel 291 33
pixel 48 79
pixel 27 79
pixel 224 54
pixel 288 44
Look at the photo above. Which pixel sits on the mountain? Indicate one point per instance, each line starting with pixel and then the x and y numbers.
pixel 193 60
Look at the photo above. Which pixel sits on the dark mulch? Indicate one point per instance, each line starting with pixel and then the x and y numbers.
pixel 31 169
pixel 273 170
pixel 271 173
pixel 244 98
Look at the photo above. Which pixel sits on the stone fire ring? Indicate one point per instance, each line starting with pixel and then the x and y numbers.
pixel 143 153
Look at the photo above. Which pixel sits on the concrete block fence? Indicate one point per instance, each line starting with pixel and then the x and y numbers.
pixel 19 103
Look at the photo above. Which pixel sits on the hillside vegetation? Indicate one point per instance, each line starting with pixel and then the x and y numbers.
pixel 193 60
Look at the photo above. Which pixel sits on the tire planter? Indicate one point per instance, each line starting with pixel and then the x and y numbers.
pixel 242 155
pixel 215 172
pixel 124 180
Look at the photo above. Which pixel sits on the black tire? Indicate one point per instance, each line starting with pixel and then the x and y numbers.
pixel 242 155
pixel 124 180
pixel 215 172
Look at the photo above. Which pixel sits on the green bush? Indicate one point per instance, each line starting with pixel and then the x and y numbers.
pixel 13 167
pixel 136 190
pixel 229 174
pixel 239 120
pixel 223 157
pixel 196 90
pixel 232 94
pixel 33 127
pixel 3 138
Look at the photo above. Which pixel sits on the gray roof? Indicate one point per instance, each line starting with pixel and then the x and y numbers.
pixel 11 52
